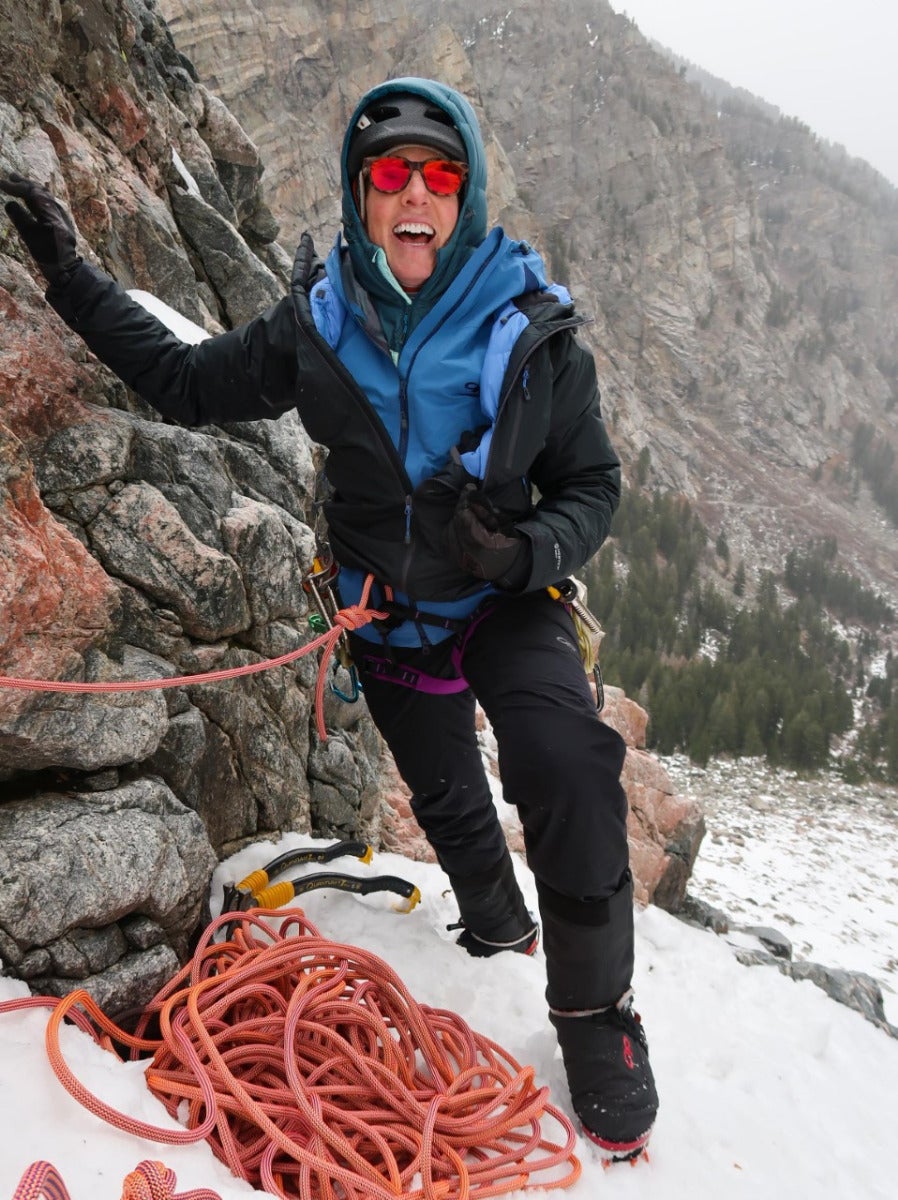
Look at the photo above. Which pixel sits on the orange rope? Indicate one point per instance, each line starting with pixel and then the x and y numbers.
pixel 346 619
pixel 148 1181
pixel 314 1074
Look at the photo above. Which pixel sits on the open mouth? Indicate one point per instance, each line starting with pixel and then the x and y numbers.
pixel 414 233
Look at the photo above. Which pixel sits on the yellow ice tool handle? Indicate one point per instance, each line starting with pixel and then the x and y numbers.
pixel 284 892
pixel 274 896
pixel 259 879
pixel 254 882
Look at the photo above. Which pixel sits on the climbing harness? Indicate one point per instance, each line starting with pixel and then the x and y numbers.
pixel 391 671
pixel 588 629
pixel 320 586
pixel 314 1074
pixel 388 669
pixel 568 591
pixel 257 890
pixel 150 1180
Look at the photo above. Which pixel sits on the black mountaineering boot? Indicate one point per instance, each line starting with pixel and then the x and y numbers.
pixel 493 915
pixel 589 965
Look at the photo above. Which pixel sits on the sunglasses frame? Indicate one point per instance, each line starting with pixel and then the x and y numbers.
pixel 415 165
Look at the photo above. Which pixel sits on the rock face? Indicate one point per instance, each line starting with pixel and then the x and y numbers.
pixel 102 888
pixel 133 549
pixel 293 73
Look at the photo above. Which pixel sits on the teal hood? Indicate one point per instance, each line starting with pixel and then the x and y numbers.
pixel 469 232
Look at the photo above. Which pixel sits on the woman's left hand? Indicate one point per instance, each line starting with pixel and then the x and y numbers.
pixel 479 544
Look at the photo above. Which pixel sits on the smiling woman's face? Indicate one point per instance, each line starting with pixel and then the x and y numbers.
pixel 410 225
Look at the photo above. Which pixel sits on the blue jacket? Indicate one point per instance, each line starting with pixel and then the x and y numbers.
pixel 443 390
pixel 547 465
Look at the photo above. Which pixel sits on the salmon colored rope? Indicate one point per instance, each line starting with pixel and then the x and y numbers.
pixel 315 1075
pixel 148 1181
pixel 345 620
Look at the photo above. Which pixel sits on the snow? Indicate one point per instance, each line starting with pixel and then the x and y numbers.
pixel 185 329
pixel 815 858
pixel 768 1088
pixel 187 179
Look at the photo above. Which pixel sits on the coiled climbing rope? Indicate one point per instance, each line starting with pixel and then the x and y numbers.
pixel 314 1074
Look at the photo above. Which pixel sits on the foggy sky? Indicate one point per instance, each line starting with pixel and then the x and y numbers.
pixel 832 65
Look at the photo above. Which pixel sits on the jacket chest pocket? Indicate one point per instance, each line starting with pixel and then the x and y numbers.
pixel 523 424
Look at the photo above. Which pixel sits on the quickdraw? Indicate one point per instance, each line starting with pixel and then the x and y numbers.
pixel 257 890
pixel 319 586
pixel 589 632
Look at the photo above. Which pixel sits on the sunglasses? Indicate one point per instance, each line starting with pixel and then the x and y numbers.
pixel 392 173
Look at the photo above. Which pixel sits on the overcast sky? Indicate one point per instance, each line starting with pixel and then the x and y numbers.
pixel 832 63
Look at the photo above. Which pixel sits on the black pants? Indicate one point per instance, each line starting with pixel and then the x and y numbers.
pixel 559 764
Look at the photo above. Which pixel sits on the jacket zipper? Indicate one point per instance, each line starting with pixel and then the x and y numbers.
pixel 403 418
pixel 333 364
pixel 404 415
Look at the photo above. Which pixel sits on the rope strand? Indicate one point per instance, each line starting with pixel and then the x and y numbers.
pixel 346 620
pixel 149 1180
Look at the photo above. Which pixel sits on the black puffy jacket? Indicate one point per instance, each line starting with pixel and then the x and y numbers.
pixel 549 433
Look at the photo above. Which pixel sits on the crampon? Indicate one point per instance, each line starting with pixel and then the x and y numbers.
pixel 620 1152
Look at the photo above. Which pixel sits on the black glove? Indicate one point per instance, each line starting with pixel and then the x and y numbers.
pixel 477 542
pixel 46 228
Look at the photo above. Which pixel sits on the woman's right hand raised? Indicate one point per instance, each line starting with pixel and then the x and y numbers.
pixel 44 226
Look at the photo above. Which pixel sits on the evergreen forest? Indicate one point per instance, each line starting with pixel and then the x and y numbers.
pixel 791 668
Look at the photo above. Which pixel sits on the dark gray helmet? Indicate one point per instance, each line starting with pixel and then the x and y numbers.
pixel 402 120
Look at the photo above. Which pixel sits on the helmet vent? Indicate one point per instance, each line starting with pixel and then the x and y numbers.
pixel 384 112
pixel 437 114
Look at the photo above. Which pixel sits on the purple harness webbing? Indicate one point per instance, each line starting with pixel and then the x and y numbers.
pixel 419 681
pixel 393 672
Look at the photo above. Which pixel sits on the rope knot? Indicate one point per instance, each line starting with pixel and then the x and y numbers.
pixel 354 617
pixel 345 620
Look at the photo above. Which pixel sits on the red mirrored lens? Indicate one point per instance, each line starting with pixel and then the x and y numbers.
pixel 390 174
pixel 441 177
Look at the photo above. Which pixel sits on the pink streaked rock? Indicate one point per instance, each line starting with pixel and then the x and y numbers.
pixel 55 598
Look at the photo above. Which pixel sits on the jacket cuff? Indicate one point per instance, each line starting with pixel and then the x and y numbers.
pixel 68 297
pixel 548 562
pixel 515 579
